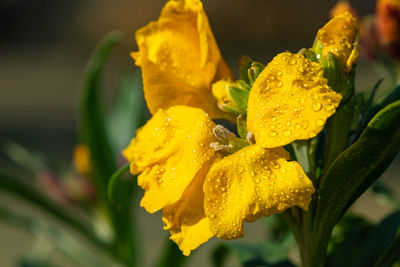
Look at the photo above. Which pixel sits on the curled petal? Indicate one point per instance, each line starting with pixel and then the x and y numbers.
pixel 180 58
pixel 290 100
pixel 169 151
pixel 185 219
pixel 252 183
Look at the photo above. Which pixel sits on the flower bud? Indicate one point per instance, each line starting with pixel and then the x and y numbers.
pixel 231 96
pixel 388 24
pixel 255 69
pixel 339 37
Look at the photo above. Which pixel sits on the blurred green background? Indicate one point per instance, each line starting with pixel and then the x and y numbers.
pixel 44 46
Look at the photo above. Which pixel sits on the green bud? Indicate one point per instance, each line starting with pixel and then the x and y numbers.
pixel 331 71
pixel 244 65
pixel 255 69
pixel 232 96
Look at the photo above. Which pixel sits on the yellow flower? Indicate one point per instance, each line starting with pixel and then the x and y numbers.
pixel 340 37
pixel 208 183
pixel 82 159
pixel 180 59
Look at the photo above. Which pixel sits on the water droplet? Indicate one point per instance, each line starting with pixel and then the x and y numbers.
pixel 305 124
pixel 273 133
pixel 320 122
pixel 287 132
pixel 280 84
pixel 317 106
pixel 257 180
pixel 329 107
pixel 273 118
pixel 297 126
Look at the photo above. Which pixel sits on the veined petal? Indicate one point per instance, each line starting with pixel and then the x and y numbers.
pixel 180 58
pixel 290 100
pixel 185 219
pixel 252 183
pixel 169 151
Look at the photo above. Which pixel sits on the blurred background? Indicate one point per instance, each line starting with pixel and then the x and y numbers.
pixel 45 44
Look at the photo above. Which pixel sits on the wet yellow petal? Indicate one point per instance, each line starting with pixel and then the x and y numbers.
pixel 340 37
pixel 185 219
pixel 252 183
pixel 169 151
pixel 180 58
pixel 290 100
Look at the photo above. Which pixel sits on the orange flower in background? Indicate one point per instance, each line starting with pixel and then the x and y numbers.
pixel 388 25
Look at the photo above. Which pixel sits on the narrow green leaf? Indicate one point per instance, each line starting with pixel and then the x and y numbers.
pixel 92 116
pixel 94 134
pixel 379 239
pixel 354 170
pixel 171 256
pixel 114 185
pixel 127 113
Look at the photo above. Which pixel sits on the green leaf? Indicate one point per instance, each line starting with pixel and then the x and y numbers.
pixel 93 133
pixel 379 239
pixel 92 116
pixel 171 256
pixel 355 170
pixel 219 255
pixel 127 112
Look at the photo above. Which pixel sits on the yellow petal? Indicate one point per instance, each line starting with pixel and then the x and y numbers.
pixel 290 100
pixel 252 183
pixel 340 37
pixel 185 219
pixel 180 58
pixel 169 151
